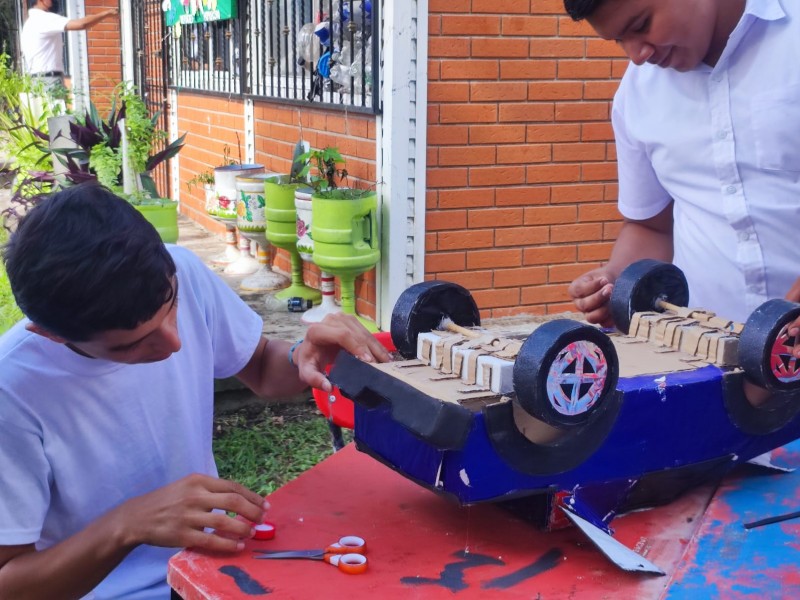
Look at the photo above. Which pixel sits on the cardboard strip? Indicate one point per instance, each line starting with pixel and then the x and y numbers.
pixel 427 346
pixel 511 351
pixel 472 365
pixel 407 364
pixel 443 377
pixel 447 352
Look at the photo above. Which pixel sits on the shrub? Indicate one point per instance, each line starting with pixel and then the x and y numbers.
pixel 9 312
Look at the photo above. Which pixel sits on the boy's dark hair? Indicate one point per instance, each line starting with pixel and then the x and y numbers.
pixel 85 261
pixel 580 9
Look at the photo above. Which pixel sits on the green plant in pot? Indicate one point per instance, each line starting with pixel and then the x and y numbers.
pixel 344 227
pixel 98 153
pixel 281 216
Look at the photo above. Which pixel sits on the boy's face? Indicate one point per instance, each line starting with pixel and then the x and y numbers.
pixel 152 341
pixel 674 34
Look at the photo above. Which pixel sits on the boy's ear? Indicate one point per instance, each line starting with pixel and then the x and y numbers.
pixel 38 330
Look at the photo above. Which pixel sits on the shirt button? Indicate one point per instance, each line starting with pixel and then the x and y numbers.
pixel 744 236
pixel 731 189
pixel 716 77
pixel 722 134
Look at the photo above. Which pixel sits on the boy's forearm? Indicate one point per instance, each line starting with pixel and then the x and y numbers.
pixel 636 242
pixel 270 374
pixel 88 21
pixel 71 568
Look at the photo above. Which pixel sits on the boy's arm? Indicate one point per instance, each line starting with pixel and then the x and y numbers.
pixel 651 238
pixel 89 20
pixel 270 374
pixel 173 516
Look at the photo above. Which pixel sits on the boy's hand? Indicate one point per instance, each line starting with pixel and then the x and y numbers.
pixel 591 293
pixel 324 340
pixel 178 515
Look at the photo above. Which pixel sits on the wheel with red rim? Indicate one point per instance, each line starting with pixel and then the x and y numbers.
pixel 564 372
pixel 765 346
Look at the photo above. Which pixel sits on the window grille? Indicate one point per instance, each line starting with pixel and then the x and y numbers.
pixel 205 56
pixel 295 51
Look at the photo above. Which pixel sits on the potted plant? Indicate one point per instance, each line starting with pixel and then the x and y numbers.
pixel 344 226
pixel 281 216
pixel 97 153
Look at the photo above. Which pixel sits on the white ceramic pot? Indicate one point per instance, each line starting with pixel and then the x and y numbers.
pixel 250 204
pixel 225 188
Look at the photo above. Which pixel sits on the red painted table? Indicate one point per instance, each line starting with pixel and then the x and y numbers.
pixel 421 545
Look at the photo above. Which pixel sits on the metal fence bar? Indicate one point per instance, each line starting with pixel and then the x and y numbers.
pixel 270 51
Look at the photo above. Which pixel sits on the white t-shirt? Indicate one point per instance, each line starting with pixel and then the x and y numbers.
pixel 41 41
pixel 79 436
pixel 724 143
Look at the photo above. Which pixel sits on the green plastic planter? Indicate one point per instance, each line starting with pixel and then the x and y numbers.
pixel 281 217
pixel 164 217
pixel 280 212
pixel 346 239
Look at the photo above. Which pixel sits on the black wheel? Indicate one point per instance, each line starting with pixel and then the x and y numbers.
pixel 641 285
pixel 564 371
pixel 422 307
pixel 765 347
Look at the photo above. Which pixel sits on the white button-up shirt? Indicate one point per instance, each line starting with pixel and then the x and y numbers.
pixel 724 144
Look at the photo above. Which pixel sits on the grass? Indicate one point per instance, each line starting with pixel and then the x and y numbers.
pixel 9 313
pixel 264 447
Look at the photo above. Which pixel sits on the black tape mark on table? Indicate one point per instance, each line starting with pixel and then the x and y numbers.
pixel 546 562
pixel 245 583
pixel 452 577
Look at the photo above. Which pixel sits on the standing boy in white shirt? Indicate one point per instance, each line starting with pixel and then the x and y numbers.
pixel 705 121
pixel 42 40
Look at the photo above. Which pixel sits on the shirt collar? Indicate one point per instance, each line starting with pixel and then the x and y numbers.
pixel 768 10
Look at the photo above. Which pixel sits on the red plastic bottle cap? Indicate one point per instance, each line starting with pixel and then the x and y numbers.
pixel 264 531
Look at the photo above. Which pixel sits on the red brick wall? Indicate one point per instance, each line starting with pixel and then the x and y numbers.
pixel 521 173
pixel 105 54
pixel 212 122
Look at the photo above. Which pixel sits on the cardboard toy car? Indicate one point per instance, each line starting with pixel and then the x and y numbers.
pixel 568 415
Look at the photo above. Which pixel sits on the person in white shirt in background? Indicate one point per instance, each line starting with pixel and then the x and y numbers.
pixel 42 40
pixel 705 123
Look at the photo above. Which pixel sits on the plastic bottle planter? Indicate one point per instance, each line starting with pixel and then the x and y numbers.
pixel 305 246
pixel 164 217
pixel 225 188
pixel 281 216
pixel 246 263
pixel 252 224
pixel 211 197
pixel 346 239
pixel 250 217
pixel 305 242
pixel 223 206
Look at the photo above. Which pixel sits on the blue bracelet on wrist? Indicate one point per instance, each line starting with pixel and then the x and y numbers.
pixel 291 352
